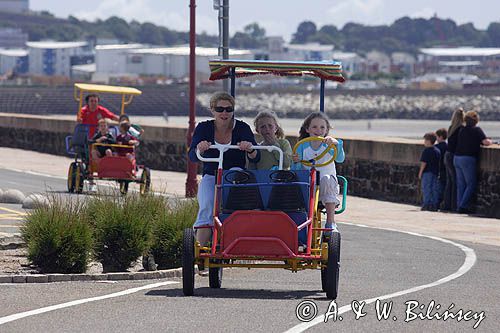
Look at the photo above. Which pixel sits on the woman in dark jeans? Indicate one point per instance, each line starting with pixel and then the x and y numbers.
pixel 470 139
pixel 450 191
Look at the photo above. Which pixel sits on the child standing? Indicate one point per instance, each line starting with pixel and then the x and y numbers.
pixel 441 144
pixel 428 173
pixel 266 124
pixel 317 124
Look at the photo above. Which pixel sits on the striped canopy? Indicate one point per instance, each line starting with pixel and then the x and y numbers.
pixel 332 70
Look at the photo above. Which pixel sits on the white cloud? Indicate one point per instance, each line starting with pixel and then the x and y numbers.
pixel 356 11
pixel 426 13
pixel 146 11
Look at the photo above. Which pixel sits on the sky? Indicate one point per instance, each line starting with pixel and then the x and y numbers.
pixel 278 17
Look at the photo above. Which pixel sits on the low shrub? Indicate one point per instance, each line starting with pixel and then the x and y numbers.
pixel 58 236
pixel 122 228
pixel 168 228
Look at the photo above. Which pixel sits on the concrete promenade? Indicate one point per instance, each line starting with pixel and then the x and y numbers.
pixel 359 210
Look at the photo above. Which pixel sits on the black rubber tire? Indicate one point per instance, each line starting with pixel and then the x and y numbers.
pixel 71 177
pixel 79 177
pixel 145 181
pixel 188 262
pixel 323 279
pixel 123 187
pixel 333 266
pixel 215 277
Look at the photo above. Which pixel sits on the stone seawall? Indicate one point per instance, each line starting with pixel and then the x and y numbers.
pixel 384 169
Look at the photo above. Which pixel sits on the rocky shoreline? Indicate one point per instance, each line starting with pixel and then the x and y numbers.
pixel 366 106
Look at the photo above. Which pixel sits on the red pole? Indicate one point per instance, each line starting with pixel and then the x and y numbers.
pixel 191 181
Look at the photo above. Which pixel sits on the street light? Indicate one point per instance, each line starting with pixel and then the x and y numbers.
pixel 223 19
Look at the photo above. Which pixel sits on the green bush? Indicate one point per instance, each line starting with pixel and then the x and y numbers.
pixel 122 228
pixel 58 236
pixel 166 247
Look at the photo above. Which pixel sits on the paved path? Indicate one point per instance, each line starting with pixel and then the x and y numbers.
pixel 375 265
pixel 359 210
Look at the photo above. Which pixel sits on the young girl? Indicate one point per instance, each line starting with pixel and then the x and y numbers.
pixel 316 124
pixel 124 138
pixel 266 124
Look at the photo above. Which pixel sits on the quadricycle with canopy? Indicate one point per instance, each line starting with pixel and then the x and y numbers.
pixel 268 218
pixel 121 168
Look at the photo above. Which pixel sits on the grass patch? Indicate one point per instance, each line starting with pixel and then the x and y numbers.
pixel 166 246
pixel 58 236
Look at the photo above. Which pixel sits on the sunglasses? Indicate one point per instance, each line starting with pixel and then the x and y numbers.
pixel 221 109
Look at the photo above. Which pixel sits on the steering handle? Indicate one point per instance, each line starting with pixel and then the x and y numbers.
pixel 223 148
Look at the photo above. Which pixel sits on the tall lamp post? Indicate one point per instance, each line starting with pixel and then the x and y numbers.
pixel 223 33
pixel 191 181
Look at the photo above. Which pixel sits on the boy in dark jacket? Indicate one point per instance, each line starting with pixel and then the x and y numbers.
pixel 428 173
pixel 441 144
pixel 102 136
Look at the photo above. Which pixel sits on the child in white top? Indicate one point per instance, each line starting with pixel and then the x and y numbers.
pixel 317 124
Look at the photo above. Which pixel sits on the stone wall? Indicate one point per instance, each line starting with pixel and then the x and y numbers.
pixel 384 169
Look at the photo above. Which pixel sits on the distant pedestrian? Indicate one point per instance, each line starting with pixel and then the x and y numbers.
pixel 441 144
pixel 428 173
pixel 470 139
pixel 450 191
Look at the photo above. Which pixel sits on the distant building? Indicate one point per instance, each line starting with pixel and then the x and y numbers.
pixel 351 62
pixel 13 61
pixel 112 58
pixel 470 60
pixel 54 58
pixel 403 62
pixel 377 62
pixel 171 62
pixel 14 6
pixel 307 52
pixel 275 47
pixel 12 38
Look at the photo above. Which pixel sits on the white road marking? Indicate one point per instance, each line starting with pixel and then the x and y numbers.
pixel 470 260
pixel 36 173
pixel 35 312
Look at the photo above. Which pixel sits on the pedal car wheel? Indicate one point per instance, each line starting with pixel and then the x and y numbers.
pixel 123 187
pixel 71 177
pixel 215 277
pixel 145 181
pixel 79 177
pixel 323 279
pixel 332 269
pixel 188 262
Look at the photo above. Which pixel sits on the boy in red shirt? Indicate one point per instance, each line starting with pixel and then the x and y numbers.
pixel 93 112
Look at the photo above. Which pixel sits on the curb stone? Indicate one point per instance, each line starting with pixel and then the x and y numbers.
pixel 47 278
pixel 12 196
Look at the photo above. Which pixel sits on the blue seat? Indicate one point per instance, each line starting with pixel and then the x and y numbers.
pixel 76 144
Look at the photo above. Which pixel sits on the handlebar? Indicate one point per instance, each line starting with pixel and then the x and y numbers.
pixel 223 148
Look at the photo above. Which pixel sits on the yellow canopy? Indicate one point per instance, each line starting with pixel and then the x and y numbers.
pixel 107 89
pixel 101 88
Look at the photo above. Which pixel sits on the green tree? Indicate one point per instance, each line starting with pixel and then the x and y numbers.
pixel 493 33
pixel 150 34
pixel 252 37
pixel 119 27
pixel 305 30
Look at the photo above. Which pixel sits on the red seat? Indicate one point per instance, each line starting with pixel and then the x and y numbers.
pixel 259 233
pixel 116 167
